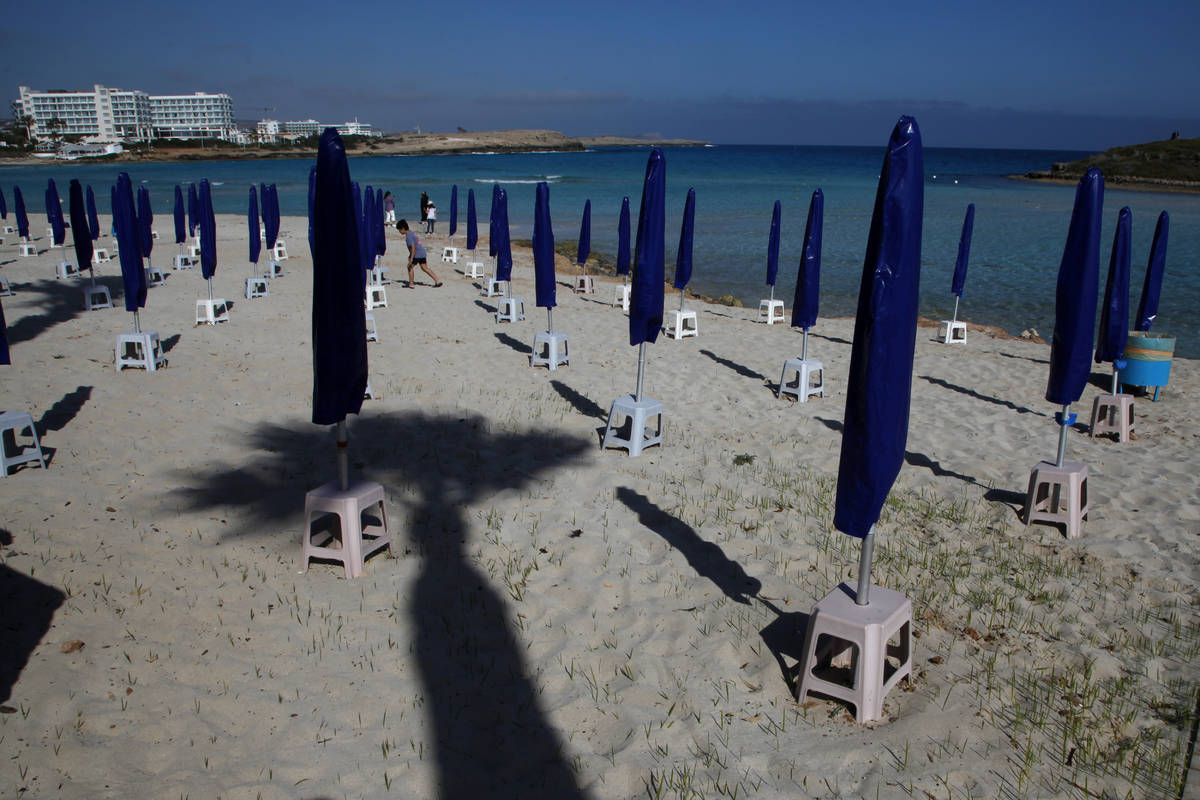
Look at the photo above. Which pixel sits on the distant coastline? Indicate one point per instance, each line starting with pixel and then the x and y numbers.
pixel 1170 165
pixel 412 144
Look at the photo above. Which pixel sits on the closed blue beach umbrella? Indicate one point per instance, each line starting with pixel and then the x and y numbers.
pixel 54 214
pixel 878 391
pixel 453 209
pixel 92 217
pixel 646 294
pixel 338 316
pixel 79 224
pixel 128 246
pixel 807 300
pixel 193 202
pixel 585 237
pixel 543 248
pixel 964 253
pixel 180 218
pixel 496 190
pixel 208 233
pixel 145 219
pixel 3 206
pixel 252 227
pixel 5 360
pixel 500 238
pixel 1152 287
pixel 312 188
pixel 1114 314
pixel 683 256
pixel 623 257
pixel 472 222
pixel 1075 303
pixel 19 211
pixel 268 198
pixel 380 237
pixel 773 249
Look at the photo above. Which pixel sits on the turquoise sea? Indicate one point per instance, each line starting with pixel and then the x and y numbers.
pixel 1020 226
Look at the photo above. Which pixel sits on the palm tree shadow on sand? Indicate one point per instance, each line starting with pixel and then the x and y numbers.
pixel 492 739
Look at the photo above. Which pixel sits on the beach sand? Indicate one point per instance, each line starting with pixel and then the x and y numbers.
pixel 558 621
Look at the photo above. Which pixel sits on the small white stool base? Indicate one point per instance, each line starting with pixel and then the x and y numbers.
pixel 549 349
pixel 368 393
pixel 380 276
pixel 273 269
pixel 376 297
pixel 27 249
pixel 372 330
pixel 65 269
pixel 638 413
pixel 194 252
pixel 100 255
pixel 954 332
pixel 357 541
pixel 11 424
pixel 770 311
pixel 810 379
pixel 838 624
pixel 1113 413
pixel 584 284
pixel 473 270
pixel 492 288
pixel 512 309
pixel 450 255
pixel 257 287
pixel 155 276
pixel 9 229
pixel 5 289
pixel 210 312
pixel 96 297
pixel 1058 495
pixel 279 253
pixel 182 262
pixel 676 324
pixel 621 297
pixel 139 350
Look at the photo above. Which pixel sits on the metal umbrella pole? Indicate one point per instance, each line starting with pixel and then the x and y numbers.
pixel 804 346
pixel 641 371
pixel 1065 420
pixel 862 596
pixel 955 318
pixel 343 460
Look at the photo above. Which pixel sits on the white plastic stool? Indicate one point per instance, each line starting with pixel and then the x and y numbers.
pixel 511 309
pixel 9 229
pixel 100 255
pixel 473 270
pixel 836 624
pixel 139 350
pixel 954 332
pixel 376 297
pixel 27 249
pixel 280 251
pixel 492 288
pixel 257 287
pixel 210 312
pixel 810 379
pixel 273 269
pixel 65 269
pixel 638 412
pixel 1046 502
pixel 368 393
pixel 770 311
pixel 357 541
pixel 182 262
pixel 96 297
pixel 155 276
pixel 11 424
pixel 380 276
pixel 621 296
pixel 1113 413
pixel 5 289
pixel 372 331
pixel 450 255
pixel 194 251
pixel 584 284
pixel 554 345
pixel 154 235
pixel 676 324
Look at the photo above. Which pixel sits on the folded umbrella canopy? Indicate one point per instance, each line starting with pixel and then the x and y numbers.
pixel 192 202
pixel 19 210
pixel 54 214
pixel 1152 287
pixel 773 250
pixel 496 190
pixel 958 282
pixel 806 302
pixel 268 198
pixel 5 360
pixel 145 218
pixel 623 259
pixel 453 209
pixel 79 224
pixel 500 238
pixel 92 217
pixel 339 330
pixel 543 253
pixel 472 222
pixel 208 234
pixel 683 256
pixel 585 237
pixel 128 248
pixel 180 220
pixel 3 206
pixel 380 234
pixel 878 391
pixel 252 228
pixel 1114 314
pixel 1075 303
pixel 646 295
pixel 312 188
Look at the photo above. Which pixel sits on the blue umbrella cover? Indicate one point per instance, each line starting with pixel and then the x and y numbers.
pixel 806 302
pixel 193 202
pixel 646 293
pixel 500 238
pixel 964 252
pixel 543 248
pixel 268 198
pixel 453 209
pixel 683 256
pixel 3 206
pixel 312 187
pixel 623 258
pixel 145 219
pixel 208 231
pixel 180 218
pixel 1114 314
pixel 472 222
pixel 79 224
pixel 879 387
pixel 128 244
pixel 339 330
pixel 19 210
pixel 496 191
pixel 92 216
pixel 773 247
pixel 5 360
pixel 252 226
pixel 1152 287
pixel 380 237
pixel 54 213
pixel 585 236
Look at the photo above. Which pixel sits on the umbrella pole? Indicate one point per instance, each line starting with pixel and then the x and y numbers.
pixel 641 371
pixel 804 346
pixel 863 596
pixel 681 301
pixel 549 320
pixel 1064 420
pixel 342 457
pixel 955 319
pixel 772 293
pixel 137 325
pixel 209 282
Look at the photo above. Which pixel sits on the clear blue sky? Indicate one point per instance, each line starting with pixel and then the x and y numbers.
pixel 1078 75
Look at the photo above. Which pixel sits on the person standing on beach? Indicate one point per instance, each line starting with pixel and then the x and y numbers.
pixel 416 255
pixel 424 205
pixel 430 219
pixel 389 208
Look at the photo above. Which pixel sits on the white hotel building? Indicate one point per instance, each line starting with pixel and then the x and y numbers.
pixel 108 115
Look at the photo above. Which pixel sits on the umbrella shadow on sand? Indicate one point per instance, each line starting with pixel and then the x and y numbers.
pixel 740 369
pixel 29 607
pixel 59 302
pixel 913 459
pixel 977 396
pixel 492 739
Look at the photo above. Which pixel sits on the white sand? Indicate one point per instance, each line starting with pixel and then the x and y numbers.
pixel 561 621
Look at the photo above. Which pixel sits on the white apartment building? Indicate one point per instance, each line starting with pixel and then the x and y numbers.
pixel 106 114
pixel 270 130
